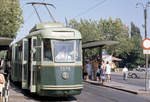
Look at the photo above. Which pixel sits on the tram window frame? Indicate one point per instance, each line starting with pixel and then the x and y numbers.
pixel 47 50
pixel 19 53
pixel 37 47
pixel 26 50
pixel 66 55
pixel 78 50
pixel 16 55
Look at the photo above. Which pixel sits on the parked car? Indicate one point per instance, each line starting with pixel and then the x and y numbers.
pixel 137 74
pixel 141 69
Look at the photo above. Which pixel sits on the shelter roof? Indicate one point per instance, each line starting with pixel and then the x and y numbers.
pixel 97 43
pixel 4 43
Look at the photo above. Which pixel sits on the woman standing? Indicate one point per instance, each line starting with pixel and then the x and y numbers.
pixel 102 72
pixel 108 72
pixel 89 70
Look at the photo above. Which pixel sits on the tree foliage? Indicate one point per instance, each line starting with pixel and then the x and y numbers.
pixel 137 50
pixel 10 17
pixel 129 49
pixel 88 29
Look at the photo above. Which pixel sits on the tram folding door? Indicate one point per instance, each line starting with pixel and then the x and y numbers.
pixel 25 57
pixel 32 64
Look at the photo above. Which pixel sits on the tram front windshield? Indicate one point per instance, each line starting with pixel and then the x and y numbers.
pixel 64 51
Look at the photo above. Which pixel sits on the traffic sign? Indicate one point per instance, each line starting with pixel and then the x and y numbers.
pixel 146 51
pixel 146 43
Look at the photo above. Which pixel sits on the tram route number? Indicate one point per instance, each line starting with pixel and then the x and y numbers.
pixel 65 69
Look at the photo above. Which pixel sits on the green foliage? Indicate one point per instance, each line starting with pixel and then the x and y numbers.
pixel 129 49
pixel 88 29
pixel 115 30
pixel 10 17
pixel 137 50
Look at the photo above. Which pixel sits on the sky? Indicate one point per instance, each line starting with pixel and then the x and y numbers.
pixel 86 9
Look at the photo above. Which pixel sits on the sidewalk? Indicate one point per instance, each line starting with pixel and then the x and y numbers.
pixel 124 87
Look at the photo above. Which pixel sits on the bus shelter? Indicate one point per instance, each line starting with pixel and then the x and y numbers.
pixel 4 43
pixel 97 44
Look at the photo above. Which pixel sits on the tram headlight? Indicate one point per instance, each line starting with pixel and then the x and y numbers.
pixel 65 75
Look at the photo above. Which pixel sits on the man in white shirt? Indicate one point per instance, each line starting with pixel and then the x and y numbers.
pixel 125 73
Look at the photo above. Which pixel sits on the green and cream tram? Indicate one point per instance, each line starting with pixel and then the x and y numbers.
pixel 48 61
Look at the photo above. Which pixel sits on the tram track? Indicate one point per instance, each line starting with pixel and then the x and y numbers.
pixel 16 94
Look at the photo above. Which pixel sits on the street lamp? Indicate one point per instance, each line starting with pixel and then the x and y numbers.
pixel 145 27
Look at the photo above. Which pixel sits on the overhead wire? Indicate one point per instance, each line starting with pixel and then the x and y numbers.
pixel 91 8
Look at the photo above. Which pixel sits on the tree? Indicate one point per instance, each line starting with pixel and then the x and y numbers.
pixel 88 29
pixel 10 17
pixel 137 50
pixel 129 49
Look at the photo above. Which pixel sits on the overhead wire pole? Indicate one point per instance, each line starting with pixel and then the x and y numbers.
pixel 145 18
pixel 37 12
pixel 145 27
pixel 45 4
pixel 50 13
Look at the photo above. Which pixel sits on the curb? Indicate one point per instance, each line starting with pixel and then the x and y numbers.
pixel 137 92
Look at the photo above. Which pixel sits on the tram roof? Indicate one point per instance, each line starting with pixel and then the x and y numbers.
pixel 44 25
pixel 54 30
pixel 97 43
pixel 4 43
pixel 41 29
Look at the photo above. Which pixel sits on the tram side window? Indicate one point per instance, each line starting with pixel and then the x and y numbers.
pixel 16 55
pixel 20 53
pixel 78 49
pixel 47 50
pixel 26 50
pixel 37 47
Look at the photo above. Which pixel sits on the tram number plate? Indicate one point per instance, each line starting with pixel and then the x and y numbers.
pixel 65 69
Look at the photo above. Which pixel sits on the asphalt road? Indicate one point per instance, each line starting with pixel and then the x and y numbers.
pixel 90 93
pixel 93 93
pixel 119 78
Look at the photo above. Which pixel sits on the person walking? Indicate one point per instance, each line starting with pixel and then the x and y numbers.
pixel 125 73
pixel 108 72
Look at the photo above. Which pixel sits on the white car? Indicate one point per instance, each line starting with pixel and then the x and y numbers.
pixel 138 74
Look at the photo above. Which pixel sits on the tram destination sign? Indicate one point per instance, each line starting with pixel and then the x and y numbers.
pixel 146 46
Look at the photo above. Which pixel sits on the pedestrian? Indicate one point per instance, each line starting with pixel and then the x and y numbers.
pixel 89 70
pixel 102 72
pixel 2 86
pixel 95 68
pixel 2 66
pixel 85 72
pixel 2 63
pixel 108 71
pixel 125 73
pixel 7 69
pixel 98 74
pixel 138 69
